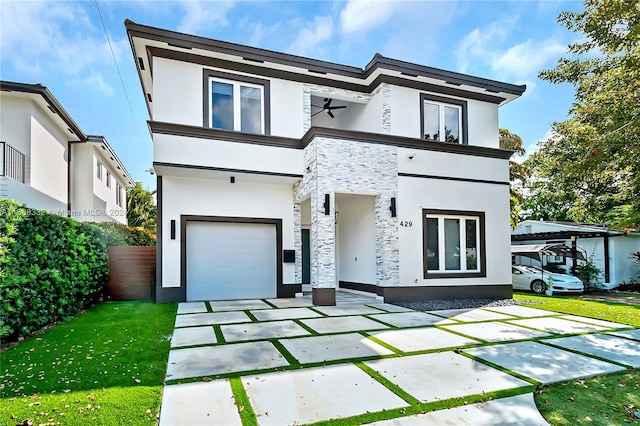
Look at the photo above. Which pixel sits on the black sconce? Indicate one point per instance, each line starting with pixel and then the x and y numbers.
pixel 327 204
pixel 173 229
pixel 393 207
pixel 232 179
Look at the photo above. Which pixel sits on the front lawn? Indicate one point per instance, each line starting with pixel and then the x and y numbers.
pixel 617 312
pixel 105 366
pixel 613 399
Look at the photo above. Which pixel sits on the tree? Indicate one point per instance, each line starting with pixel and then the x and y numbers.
pixel 589 171
pixel 141 208
pixel 518 173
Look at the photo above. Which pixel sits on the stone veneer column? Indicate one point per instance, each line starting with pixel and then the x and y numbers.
pixel 297 240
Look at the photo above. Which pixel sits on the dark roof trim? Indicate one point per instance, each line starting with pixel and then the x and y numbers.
pixel 404 142
pixel 319 80
pixel 222 169
pixel 450 77
pixel 156 127
pixel 254 54
pixel 54 105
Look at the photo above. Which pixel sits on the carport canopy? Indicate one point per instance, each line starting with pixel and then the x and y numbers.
pixel 536 251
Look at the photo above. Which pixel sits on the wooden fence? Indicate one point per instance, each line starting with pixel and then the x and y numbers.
pixel 132 273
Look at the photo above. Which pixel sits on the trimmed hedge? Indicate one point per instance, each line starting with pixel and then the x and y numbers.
pixel 118 234
pixel 51 267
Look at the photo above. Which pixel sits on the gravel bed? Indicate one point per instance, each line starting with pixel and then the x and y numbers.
pixel 441 304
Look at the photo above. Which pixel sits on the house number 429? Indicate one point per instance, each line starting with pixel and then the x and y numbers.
pixel 406 223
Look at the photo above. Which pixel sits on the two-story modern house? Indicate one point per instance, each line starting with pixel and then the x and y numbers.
pixel 276 170
pixel 48 163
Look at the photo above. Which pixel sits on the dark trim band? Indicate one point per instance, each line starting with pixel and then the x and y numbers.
pixel 321 80
pixel 455 179
pixel 368 288
pixel 253 54
pixel 222 169
pixel 412 294
pixel 183 130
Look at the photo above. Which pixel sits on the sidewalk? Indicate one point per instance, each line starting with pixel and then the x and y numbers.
pixel 287 362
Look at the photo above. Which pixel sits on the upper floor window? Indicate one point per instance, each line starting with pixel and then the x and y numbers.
pixel 443 119
pixel 236 103
pixel 108 179
pixel 119 195
pixel 453 244
pixel 98 169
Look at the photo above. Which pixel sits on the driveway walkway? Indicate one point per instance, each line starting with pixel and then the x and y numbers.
pixel 286 362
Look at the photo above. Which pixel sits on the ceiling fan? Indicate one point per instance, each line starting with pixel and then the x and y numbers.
pixel 327 107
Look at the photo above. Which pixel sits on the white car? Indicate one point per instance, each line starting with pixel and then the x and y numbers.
pixel 531 278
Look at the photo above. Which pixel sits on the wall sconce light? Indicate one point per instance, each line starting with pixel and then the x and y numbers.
pixel 173 229
pixel 337 214
pixel 411 156
pixel 393 207
pixel 232 179
pixel 327 206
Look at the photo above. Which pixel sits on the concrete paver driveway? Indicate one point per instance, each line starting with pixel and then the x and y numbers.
pixel 283 361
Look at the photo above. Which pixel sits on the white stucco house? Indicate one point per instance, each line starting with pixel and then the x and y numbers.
pixel 264 186
pixel 608 249
pixel 48 163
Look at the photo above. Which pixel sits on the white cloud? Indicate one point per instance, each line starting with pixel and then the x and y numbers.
pixel 311 35
pixel 98 82
pixel 364 15
pixel 526 59
pixel 203 15
pixel 53 37
pixel 519 63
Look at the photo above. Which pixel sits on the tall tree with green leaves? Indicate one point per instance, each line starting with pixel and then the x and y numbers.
pixel 518 173
pixel 589 171
pixel 141 208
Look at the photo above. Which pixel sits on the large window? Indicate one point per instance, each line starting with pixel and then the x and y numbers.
pixel 453 244
pixel 443 119
pixel 236 103
pixel 119 195
pixel 98 169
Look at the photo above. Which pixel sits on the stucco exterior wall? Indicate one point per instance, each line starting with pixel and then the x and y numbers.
pixel 221 198
pixel 415 194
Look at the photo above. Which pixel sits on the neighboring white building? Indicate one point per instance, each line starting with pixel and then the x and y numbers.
pixel 48 163
pixel 261 188
pixel 610 250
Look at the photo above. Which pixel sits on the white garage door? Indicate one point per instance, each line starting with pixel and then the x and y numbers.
pixel 230 260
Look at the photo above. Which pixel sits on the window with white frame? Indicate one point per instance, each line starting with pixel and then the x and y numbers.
pixel 119 195
pixel 453 244
pixel 108 178
pixel 98 169
pixel 443 119
pixel 236 103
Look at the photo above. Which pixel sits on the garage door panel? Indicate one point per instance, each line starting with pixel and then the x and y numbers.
pixel 230 260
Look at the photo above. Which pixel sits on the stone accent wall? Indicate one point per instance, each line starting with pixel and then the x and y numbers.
pixel 386 108
pixel 306 108
pixel 345 166
pixel 297 242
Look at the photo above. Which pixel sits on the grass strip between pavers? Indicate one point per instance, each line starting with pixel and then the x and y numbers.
pixel 500 368
pixel 285 353
pixel 243 405
pixel 422 408
pixel 251 316
pixel 219 336
pixel 306 327
pixel 586 354
pixel 382 343
pixel 388 383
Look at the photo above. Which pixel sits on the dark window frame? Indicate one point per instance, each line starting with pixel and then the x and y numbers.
pixel 451 101
pixel 482 273
pixel 208 74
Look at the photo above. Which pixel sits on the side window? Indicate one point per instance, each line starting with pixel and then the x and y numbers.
pixel 443 119
pixel 98 169
pixel 236 103
pixel 453 244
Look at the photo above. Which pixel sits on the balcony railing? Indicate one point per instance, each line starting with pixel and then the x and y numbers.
pixel 11 162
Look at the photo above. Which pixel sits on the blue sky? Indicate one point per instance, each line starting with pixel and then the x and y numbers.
pixel 62 44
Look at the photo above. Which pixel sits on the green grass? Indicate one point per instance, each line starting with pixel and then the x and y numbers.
pixel 105 366
pixel 606 400
pixel 617 312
